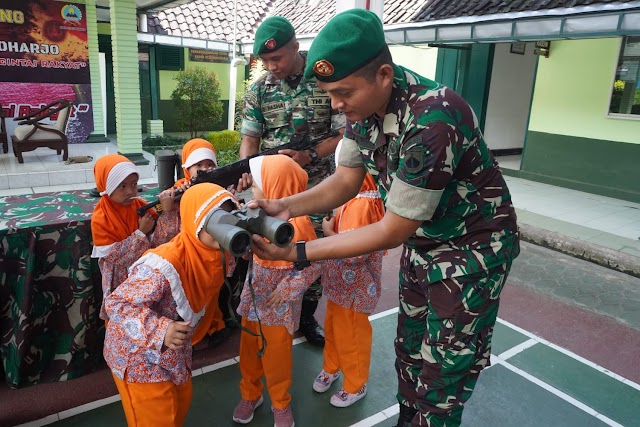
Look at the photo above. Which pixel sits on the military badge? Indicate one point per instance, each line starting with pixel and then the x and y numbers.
pixel 270 44
pixel 414 159
pixel 323 67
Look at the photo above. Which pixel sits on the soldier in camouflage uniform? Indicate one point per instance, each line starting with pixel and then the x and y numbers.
pixel 283 103
pixel 446 202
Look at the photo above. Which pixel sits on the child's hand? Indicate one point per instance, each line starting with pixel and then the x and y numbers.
pixel 146 223
pixel 275 299
pixel 178 335
pixel 183 187
pixel 231 189
pixel 245 181
pixel 168 199
pixel 327 226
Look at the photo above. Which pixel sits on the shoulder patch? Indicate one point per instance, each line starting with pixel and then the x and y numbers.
pixel 414 159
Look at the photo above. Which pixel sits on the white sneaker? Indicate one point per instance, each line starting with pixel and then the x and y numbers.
pixel 342 399
pixel 324 380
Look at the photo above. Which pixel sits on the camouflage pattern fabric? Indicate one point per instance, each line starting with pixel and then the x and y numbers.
pixel 275 112
pixel 50 292
pixel 444 339
pixel 431 164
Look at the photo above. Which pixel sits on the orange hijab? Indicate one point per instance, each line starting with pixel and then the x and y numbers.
pixel 112 222
pixel 280 176
pixel 198 265
pixel 188 150
pixel 364 209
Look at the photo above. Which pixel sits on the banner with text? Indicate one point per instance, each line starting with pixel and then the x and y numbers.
pixel 44 56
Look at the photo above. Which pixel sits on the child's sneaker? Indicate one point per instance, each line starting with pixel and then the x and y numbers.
pixel 243 413
pixel 324 380
pixel 342 399
pixel 283 417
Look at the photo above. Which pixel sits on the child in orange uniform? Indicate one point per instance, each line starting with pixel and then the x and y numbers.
pixel 154 312
pixel 198 154
pixel 352 287
pixel 120 236
pixel 279 288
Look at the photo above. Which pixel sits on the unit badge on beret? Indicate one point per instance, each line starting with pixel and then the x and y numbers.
pixel 323 67
pixel 270 44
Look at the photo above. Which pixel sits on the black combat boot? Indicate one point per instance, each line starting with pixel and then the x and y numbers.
pixel 406 416
pixel 309 326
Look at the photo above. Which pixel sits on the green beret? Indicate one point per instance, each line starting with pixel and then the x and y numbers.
pixel 348 42
pixel 272 34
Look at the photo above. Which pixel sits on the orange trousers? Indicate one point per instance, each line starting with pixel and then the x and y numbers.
pixel 275 365
pixel 211 322
pixel 347 345
pixel 155 404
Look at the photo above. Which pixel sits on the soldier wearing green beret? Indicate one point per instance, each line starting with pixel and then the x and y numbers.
pixel 446 203
pixel 280 104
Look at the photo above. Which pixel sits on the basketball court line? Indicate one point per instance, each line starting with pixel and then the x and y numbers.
pixel 501 359
pixel 391 411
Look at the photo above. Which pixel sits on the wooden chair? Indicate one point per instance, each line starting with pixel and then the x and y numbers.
pixel 3 132
pixel 31 133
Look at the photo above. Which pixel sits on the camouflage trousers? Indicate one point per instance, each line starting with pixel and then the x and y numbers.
pixel 443 339
pixel 314 291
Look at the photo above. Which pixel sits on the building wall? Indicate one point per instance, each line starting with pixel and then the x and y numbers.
pixel 419 58
pixel 509 99
pixel 571 141
pixel 168 85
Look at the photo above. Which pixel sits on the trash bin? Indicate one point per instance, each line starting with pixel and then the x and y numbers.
pixel 179 171
pixel 166 166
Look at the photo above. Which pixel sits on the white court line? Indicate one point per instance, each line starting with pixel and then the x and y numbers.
pixel 572 355
pixel 392 410
pixel 501 360
pixel 589 410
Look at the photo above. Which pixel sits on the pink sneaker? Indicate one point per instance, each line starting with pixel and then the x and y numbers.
pixel 243 413
pixel 283 417
pixel 324 380
pixel 342 398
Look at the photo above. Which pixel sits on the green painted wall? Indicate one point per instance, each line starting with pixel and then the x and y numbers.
pixel 168 85
pixel 419 58
pixel 597 166
pixel 573 89
pixel 571 141
pixel 104 28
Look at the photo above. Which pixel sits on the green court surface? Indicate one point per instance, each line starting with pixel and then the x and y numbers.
pixel 531 383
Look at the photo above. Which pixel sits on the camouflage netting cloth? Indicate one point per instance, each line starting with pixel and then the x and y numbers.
pixel 50 292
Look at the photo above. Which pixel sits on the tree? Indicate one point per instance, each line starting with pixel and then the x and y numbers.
pixel 197 99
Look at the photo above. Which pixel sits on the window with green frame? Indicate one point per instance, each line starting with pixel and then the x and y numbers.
pixel 625 96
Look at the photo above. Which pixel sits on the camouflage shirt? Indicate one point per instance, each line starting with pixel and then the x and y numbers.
pixel 431 164
pixel 275 112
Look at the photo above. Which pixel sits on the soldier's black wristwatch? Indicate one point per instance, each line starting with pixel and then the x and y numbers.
pixel 314 156
pixel 302 262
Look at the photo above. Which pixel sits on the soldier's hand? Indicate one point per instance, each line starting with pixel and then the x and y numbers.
pixel 272 207
pixel 300 157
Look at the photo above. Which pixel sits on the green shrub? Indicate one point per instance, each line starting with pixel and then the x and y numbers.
pixel 226 144
pixel 197 99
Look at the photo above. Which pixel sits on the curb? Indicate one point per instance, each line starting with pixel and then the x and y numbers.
pixel 596 254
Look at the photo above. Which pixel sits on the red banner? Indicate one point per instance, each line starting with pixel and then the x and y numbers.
pixel 44 56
